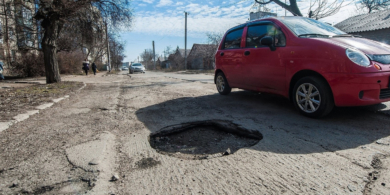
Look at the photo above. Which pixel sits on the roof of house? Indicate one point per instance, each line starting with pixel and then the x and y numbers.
pixel 182 52
pixel 203 50
pixel 366 22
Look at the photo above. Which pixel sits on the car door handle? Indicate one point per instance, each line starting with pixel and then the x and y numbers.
pixel 247 53
pixel 222 53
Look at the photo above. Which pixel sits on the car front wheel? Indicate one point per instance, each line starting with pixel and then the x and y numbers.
pixel 222 84
pixel 313 97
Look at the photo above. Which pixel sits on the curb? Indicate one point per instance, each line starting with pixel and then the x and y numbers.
pixel 24 82
pixel 21 117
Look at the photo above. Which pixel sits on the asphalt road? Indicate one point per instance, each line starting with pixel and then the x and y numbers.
pixel 97 142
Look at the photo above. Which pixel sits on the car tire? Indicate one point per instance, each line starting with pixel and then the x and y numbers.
pixel 222 84
pixel 313 97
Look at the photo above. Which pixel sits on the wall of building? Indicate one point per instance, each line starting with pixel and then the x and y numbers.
pixel 382 35
pixel 16 18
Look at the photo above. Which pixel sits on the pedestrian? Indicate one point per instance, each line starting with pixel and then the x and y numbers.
pixel 1 71
pixel 86 66
pixel 94 68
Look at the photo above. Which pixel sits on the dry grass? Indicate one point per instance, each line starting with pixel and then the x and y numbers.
pixel 16 101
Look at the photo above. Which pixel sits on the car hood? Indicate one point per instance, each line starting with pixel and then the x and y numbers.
pixel 365 45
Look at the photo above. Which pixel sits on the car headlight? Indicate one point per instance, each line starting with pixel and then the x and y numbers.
pixel 358 57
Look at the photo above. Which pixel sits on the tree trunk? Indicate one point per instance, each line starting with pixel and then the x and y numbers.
pixel 49 47
pixel 294 9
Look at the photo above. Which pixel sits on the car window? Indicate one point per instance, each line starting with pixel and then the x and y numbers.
pixel 256 33
pixel 136 65
pixel 233 39
pixel 308 26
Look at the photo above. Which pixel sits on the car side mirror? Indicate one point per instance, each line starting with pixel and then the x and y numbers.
pixel 268 41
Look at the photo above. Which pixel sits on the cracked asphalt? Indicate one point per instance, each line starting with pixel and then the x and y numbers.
pixel 96 142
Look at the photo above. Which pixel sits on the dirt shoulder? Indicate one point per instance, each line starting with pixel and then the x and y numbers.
pixel 22 98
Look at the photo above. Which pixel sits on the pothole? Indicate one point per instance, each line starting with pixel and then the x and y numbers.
pixel 203 139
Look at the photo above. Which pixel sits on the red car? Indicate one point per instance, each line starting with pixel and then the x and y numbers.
pixel 315 65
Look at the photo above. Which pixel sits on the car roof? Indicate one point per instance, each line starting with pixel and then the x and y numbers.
pixel 270 19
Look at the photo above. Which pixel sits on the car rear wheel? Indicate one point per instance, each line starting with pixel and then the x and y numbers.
pixel 222 84
pixel 313 97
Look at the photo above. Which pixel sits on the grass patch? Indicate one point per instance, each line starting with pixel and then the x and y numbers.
pixel 20 100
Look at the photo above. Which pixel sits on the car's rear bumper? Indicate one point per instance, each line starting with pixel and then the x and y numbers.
pixel 359 89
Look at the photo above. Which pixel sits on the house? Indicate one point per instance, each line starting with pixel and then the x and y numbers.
pixel 177 59
pixel 375 26
pixel 165 64
pixel 159 62
pixel 202 56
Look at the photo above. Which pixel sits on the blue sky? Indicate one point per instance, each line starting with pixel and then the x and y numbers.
pixel 163 21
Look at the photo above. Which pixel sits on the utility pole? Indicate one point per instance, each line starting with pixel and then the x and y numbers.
pixel 185 42
pixel 108 48
pixel 154 58
pixel 285 11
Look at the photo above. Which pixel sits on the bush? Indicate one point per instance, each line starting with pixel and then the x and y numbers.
pixel 70 62
pixel 29 65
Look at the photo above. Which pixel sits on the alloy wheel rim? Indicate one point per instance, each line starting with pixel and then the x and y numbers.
pixel 220 83
pixel 308 97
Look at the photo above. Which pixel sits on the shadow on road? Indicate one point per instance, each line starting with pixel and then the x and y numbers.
pixel 283 129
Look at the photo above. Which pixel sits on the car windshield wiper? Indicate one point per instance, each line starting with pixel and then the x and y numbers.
pixel 313 35
pixel 346 35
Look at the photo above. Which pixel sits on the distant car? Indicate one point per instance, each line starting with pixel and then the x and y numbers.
pixel 137 67
pixel 315 65
pixel 125 68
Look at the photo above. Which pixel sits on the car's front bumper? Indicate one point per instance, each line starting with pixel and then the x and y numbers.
pixel 359 89
pixel 138 70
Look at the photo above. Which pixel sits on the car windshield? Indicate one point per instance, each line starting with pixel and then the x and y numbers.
pixel 309 27
pixel 136 65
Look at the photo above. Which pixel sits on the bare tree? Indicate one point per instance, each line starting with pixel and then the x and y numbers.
pixel 214 38
pixel 167 51
pixel 117 49
pixel 318 8
pixel 374 5
pixel 54 14
pixel 323 8
pixel 292 7
pixel 147 58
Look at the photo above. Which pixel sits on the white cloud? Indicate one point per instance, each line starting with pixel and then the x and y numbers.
pixel 202 18
pixel 207 18
pixel 174 25
pixel 142 5
pixel 148 1
pixel 179 3
pixel 164 3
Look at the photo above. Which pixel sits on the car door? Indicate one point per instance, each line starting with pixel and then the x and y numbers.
pixel 265 68
pixel 230 57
